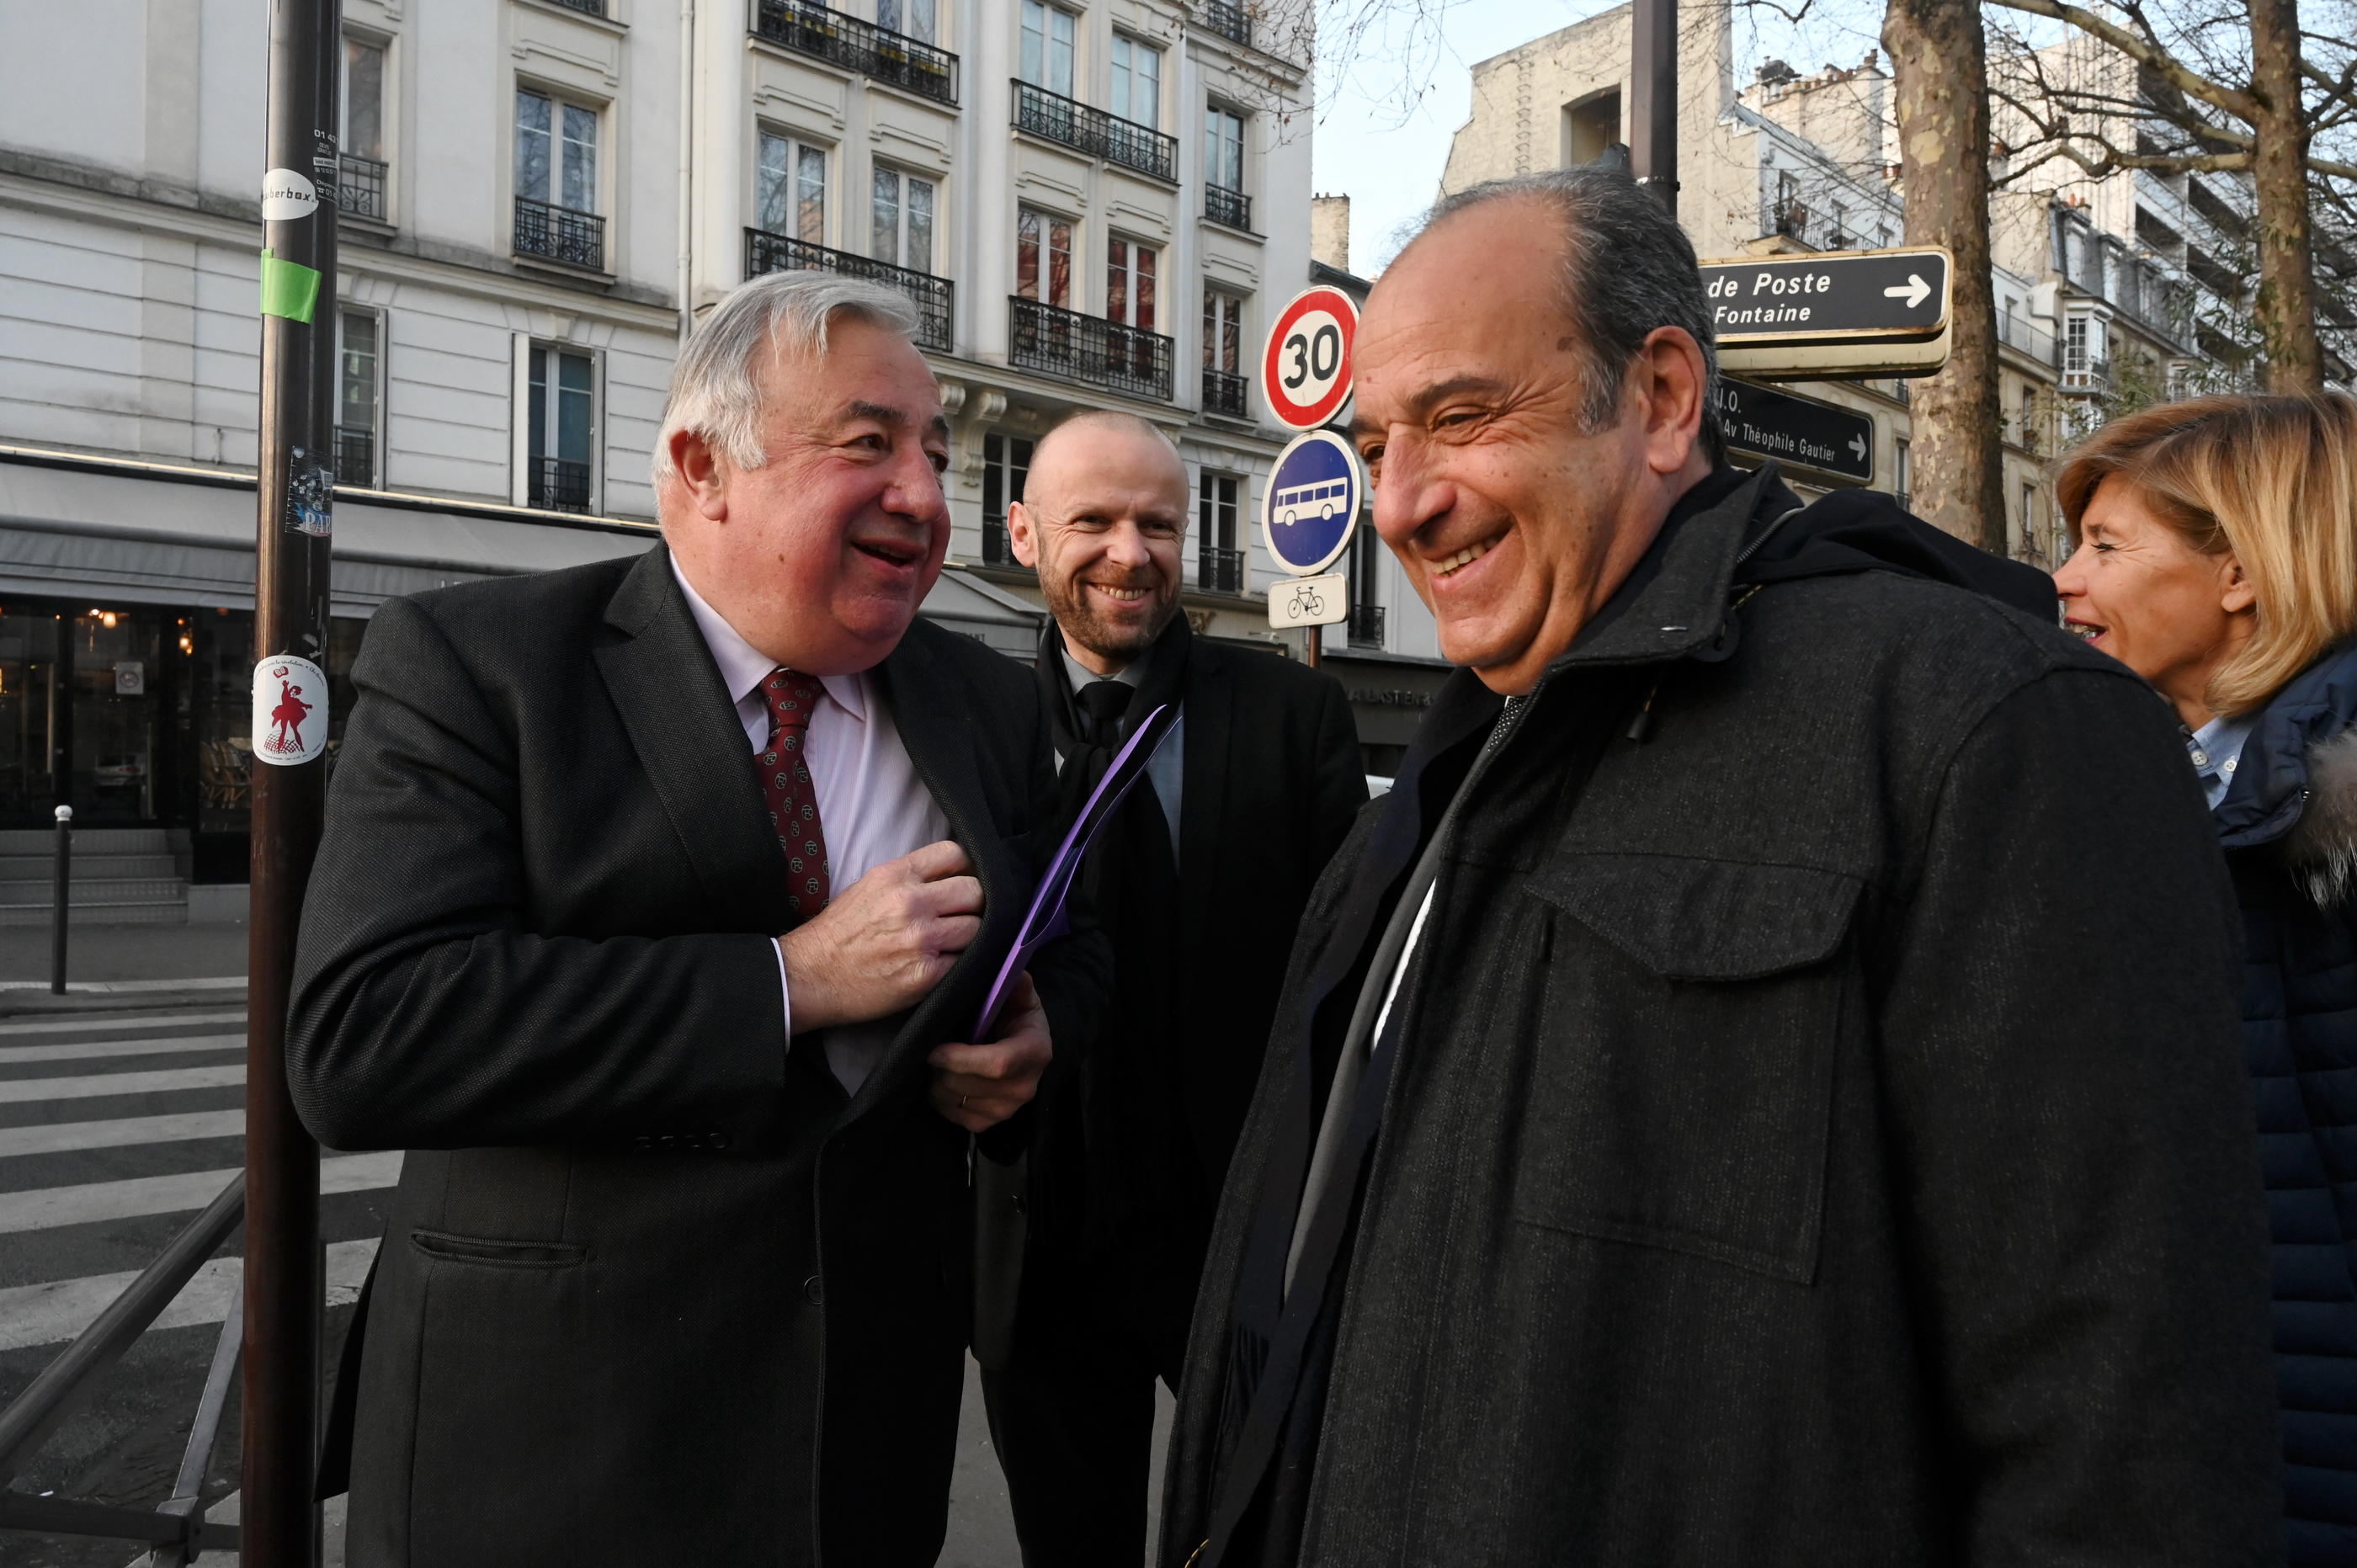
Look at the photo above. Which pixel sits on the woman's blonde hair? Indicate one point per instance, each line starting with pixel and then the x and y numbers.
pixel 2273 479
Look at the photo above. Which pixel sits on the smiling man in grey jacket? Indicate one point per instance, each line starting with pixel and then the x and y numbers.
pixel 1764 1088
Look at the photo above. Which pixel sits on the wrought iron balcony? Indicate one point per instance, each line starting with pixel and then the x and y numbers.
pixel 560 485
pixel 1366 626
pixel 560 234
pixel 1223 393
pixel 876 53
pixel 933 298
pixel 1088 348
pixel 586 7
pixel 1233 208
pixel 355 457
pixel 1229 20
pixel 1218 571
pixel 1092 131
pixel 997 545
pixel 360 187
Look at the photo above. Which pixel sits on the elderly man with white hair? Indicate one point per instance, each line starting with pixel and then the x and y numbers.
pixel 655 916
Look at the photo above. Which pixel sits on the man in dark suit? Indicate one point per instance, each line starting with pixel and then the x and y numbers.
pixel 1200 880
pixel 657 903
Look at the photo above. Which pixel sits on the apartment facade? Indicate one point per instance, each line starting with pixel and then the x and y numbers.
pixel 1094 204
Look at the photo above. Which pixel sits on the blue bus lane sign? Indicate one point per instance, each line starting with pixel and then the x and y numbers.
pixel 1310 502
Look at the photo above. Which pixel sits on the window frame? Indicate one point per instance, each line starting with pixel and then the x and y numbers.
pixel 797 147
pixel 559 101
pixel 520 417
pixel 1047 221
pixel 1214 112
pixel 903 178
pixel 1121 75
pixel 1051 15
pixel 378 380
pixel 1212 324
pixel 1128 251
pixel 909 10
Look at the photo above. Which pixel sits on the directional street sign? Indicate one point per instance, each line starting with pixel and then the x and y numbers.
pixel 1802 432
pixel 1309 601
pixel 1310 502
pixel 1305 370
pixel 1834 296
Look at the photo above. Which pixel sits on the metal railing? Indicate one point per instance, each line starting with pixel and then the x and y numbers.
pixel 1088 130
pixel 1233 208
pixel 2018 333
pixel 586 7
pixel 177 1529
pixel 997 545
pixel 2086 375
pixel 1223 393
pixel 1088 348
pixel 935 298
pixel 560 484
pixel 1366 626
pixel 1229 20
pixel 356 457
pixel 360 187
pixel 560 234
pixel 876 53
pixel 1218 571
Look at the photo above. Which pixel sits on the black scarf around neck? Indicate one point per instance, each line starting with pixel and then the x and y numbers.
pixel 1112 1153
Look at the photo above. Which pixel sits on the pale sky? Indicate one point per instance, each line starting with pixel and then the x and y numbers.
pixel 1383 127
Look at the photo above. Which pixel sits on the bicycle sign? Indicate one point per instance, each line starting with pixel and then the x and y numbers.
pixel 1305 370
pixel 1310 501
pixel 1309 601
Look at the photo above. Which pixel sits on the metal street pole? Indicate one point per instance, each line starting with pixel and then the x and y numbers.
pixel 278 1516
pixel 1654 99
pixel 60 900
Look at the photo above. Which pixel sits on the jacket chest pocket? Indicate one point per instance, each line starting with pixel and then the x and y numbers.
pixel 1682 1080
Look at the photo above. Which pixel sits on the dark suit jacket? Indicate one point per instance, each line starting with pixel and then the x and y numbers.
pixel 1272 780
pixel 652 1290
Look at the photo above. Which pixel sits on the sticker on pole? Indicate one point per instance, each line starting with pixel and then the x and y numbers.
pixel 287 194
pixel 1305 372
pixel 290 710
pixel 1312 503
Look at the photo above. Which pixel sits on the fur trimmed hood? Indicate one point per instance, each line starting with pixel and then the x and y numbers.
pixel 2321 847
pixel 2295 791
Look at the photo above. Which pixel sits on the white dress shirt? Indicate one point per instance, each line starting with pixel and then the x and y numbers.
pixel 872 807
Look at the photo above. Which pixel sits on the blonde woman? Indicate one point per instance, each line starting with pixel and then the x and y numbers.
pixel 2216 555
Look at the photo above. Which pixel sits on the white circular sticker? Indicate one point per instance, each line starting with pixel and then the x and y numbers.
pixel 286 194
pixel 290 710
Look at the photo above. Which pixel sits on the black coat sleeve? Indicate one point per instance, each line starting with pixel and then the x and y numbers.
pixel 1338 777
pixel 2079 1188
pixel 424 1014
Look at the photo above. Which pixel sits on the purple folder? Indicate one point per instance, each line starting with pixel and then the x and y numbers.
pixel 1047 919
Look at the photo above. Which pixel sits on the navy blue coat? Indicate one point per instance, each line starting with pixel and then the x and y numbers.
pixel 2290 829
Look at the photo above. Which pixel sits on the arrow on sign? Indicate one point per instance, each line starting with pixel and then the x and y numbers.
pixel 1858 444
pixel 1914 291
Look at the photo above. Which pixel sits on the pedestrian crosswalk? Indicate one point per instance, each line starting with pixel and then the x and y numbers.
pixel 114 1131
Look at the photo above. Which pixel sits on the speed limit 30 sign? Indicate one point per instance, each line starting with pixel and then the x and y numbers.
pixel 1305 372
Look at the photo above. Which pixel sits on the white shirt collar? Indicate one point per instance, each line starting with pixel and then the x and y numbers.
pixel 744 667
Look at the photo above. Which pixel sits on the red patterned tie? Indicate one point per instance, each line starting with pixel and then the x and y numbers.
pixel 786 782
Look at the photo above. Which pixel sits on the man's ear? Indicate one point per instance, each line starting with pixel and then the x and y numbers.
pixel 1023 534
pixel 1670 377
pixel 2235 593
pixel 704 474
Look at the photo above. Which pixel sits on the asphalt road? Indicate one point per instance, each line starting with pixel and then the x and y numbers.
pixel 116 1127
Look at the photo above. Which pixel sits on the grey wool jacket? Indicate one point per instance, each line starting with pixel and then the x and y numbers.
pixel 1818 1135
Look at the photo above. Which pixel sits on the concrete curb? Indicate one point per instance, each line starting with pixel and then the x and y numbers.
pixel 22 997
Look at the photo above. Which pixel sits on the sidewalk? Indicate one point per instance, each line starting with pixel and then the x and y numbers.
pixel 125 953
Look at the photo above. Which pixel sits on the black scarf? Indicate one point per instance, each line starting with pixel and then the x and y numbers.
pixel 1111 1155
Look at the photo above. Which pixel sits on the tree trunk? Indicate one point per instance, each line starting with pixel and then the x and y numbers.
pixel 1940 68
pixel 2285 307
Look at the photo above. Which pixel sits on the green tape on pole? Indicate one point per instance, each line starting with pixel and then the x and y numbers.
pixel 288 289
